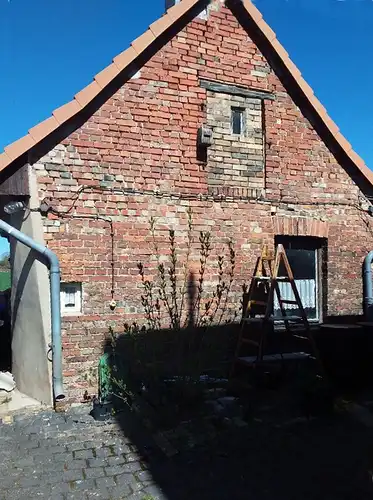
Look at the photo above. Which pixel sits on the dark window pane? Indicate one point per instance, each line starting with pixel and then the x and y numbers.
pixel 303 263
pixel 237 120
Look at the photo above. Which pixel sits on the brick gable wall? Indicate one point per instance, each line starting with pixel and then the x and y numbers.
pixel 144 139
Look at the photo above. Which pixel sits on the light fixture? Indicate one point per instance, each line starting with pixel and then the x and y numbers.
pixel 14 206
pixel 45 207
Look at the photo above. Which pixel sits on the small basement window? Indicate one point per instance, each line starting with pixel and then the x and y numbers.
pixel 238 121
pixel 71 298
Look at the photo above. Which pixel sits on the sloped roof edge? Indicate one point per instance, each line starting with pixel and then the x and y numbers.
pixel 61 115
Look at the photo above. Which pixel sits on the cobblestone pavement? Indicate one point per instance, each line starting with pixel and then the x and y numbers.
pixel 68 456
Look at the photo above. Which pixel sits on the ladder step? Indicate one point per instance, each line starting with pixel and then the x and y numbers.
pixel 274 318
pixel 268 278
pixel 258 302
pixel 285 301
pixel 286 356
pixel 253 320
pixel 295 319
pixel 249 341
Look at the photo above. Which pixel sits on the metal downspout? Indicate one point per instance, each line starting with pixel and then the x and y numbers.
pixel 368 287
pixel 54 269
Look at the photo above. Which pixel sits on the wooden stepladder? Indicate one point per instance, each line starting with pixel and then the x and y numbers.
pixel 258 321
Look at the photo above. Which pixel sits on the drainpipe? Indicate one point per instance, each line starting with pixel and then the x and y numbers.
pixel 54 270
pixel 368 287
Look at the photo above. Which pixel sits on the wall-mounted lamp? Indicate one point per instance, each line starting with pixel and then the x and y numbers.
pixel 14 206
pixel 45 207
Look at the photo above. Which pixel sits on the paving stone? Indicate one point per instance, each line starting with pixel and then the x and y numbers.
pixel 103 452
pixel 50 478
pixel 97 462
pixel 125 479
pixel 26 494
pixel 132 457
pixel 73 475
pixel 76 495
pixel 114 470
pixel 29 481
pixel 120 449
pixel 60 487
pixel 94 472
pixel 74 446
pixel 116 460
pixel 121 492
pixel 90 445
pixel 52 467
pixel 56 449
pixel 144 475
pixel 132 467
pixel 23 462
pixel 77 463
pixel 57 496
pixel 102 493
pixel 105 482
pixel 61 457
pixel 85 484
pixel 84 454
pixel 30 445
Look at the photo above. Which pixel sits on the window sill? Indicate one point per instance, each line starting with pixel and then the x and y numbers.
pixel 71 315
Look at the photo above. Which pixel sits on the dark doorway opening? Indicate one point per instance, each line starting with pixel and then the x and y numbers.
pixel 5 307
pixel 5 332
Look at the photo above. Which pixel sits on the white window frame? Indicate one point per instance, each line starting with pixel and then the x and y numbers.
pixel 77 290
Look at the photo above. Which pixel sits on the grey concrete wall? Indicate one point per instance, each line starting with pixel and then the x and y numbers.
pixel 30 308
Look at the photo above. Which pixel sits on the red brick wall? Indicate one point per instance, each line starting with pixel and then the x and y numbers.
pixel 144 138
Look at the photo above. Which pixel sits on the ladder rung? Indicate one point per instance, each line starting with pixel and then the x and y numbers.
pixel 258 302
pixel 253 320
pixel 268 278
pixel 273 318
pixel 249 341
pixel 285 301
pixel 288 318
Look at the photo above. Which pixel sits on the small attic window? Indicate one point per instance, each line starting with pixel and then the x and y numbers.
pixel 237 121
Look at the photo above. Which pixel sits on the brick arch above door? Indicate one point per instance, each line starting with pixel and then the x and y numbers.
pixel 300 226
